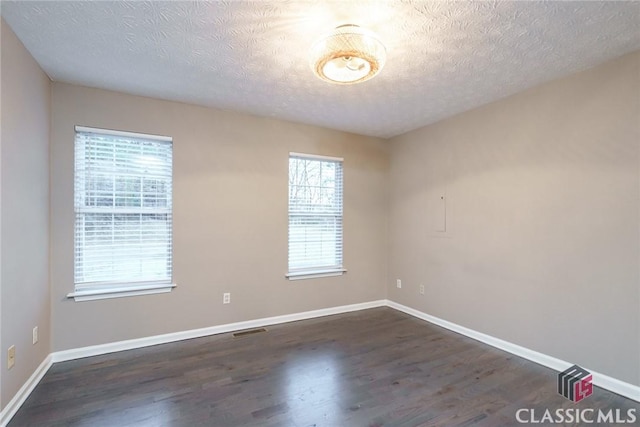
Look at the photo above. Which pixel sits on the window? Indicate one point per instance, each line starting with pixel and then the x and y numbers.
pixel 315 216
pixel 123 214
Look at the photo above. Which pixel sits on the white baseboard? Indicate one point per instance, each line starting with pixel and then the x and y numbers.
pixel 622 388
pixel 96 350
pixel 12 407
pixel 619 387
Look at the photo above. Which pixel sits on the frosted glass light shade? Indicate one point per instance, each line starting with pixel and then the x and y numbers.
pixel 349 54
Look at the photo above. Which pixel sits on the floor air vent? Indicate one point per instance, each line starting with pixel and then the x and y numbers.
pixel 248 332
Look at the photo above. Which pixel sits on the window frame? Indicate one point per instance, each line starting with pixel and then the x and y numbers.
pixel 95 290
pixel 316 271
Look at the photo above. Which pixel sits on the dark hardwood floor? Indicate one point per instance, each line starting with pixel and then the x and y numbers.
pixel 375 367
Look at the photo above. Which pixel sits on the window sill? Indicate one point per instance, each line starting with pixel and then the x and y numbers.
pixel 301 275
pixel 120 292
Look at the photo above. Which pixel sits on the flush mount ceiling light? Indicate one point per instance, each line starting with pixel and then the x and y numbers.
pixel 350 54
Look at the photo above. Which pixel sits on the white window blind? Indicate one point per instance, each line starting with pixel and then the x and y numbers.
pixel 123 209
pixel 315 214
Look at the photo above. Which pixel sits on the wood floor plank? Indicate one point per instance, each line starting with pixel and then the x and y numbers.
pixel 371 368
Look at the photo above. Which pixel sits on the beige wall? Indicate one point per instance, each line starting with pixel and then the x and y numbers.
pixel 24 276
pixel 230 218
pixel 541 246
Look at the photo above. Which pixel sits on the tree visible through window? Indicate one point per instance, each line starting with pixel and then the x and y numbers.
pixel 315 214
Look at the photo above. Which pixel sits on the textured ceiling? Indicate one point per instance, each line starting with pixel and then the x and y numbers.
pixel 443 57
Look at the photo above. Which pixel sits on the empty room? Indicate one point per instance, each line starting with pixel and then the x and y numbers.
pixel 316 213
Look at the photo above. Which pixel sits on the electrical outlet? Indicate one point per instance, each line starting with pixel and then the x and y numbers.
pixel 11 359
pixel 226 298
pixel 421 289
pixel 35 335
pixel 399 283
